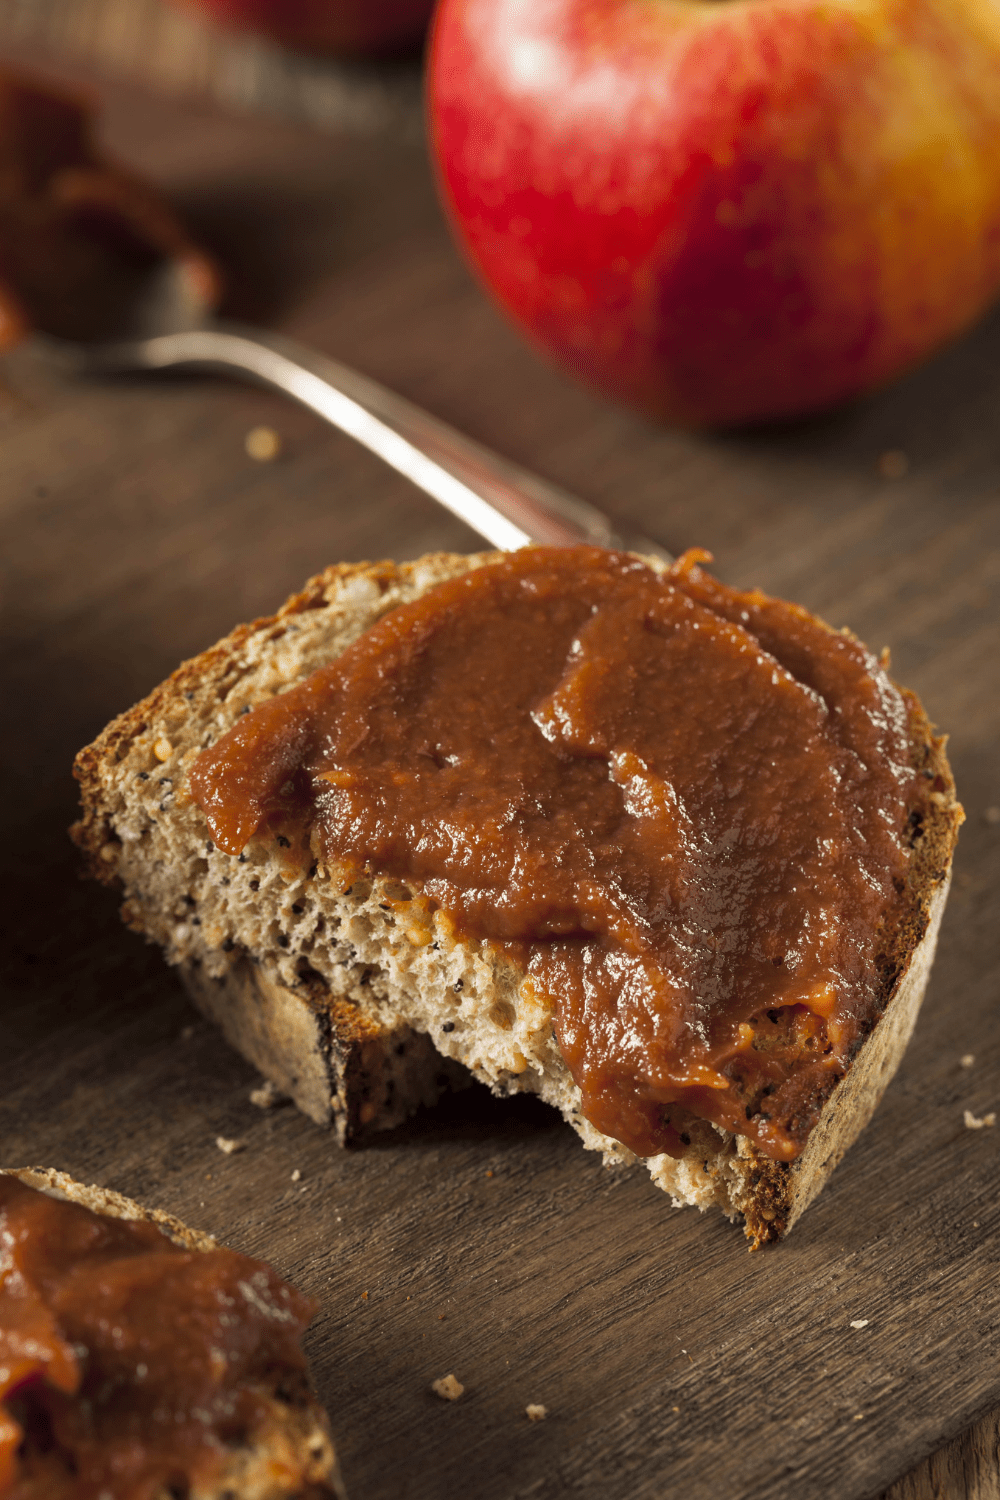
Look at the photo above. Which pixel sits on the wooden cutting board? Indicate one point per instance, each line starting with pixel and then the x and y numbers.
pixel 480 1239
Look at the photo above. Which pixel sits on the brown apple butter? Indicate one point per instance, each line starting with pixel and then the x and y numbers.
pixel 128 1364
pixel 682 808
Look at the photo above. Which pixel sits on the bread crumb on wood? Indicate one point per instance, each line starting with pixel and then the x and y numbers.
pixel 967 1059
pixel 860 1323
pixel 893 464
pixel 448 1388
pixel 536 1413
pixel 297 1175
pixel 262 444
pixel 975 1122
pixel 267 1095
pixel 229 1147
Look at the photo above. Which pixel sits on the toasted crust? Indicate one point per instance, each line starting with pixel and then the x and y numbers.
pixel 290 1454
pixel 321 983
pixel 341 1066
pixel 110 1204
pixel 778 1193
pixel 343 1060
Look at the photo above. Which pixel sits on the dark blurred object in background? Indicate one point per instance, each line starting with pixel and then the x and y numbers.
pixel 358 28
pixel 79 235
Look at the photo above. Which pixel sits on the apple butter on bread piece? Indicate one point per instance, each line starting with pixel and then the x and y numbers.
pixel 670 855
pixel 139 1358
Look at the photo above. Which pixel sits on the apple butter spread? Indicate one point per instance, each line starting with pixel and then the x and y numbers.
pixel 680 808
pixel 128 1363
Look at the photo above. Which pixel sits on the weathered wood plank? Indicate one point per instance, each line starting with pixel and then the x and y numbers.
pixel 967 1466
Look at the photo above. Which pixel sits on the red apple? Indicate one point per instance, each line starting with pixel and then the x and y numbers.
pixel 345 26
pixel 725 210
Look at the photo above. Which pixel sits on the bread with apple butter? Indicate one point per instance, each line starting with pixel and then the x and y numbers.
pixel 671 856
pixel 140 1358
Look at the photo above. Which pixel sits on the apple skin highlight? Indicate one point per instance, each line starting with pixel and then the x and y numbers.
pixel 725 211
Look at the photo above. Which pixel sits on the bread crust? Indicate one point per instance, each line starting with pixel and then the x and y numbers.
pixel 378 966
pixel 343 1063
pixel 778 1193
pixel 340 1066
pixel 290 1454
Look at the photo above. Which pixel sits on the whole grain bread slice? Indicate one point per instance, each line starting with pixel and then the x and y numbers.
pixel 352 995
pixel 289 1453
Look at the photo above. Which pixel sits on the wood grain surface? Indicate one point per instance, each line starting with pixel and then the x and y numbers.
pixel 480 1239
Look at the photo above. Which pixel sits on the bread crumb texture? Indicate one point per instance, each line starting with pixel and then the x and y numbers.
pixel 893 464
pixel 448 1388
pixel 262 444
pixel 536 1413
pixel 303 964
pixel 860 1323
pixel 979 1122
pixel 229 1147
pixel 267 1096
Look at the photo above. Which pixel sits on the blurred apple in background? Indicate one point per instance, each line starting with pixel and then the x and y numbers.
pixel 725 210
pixel 358 27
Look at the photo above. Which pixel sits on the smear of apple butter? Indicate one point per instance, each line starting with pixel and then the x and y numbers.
pixel 128 1364
pixel 681 807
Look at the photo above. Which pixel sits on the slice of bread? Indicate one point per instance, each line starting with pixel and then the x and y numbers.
pixel 336 990
pixel 288 1454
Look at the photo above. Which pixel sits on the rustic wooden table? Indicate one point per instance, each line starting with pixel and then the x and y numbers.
pixel 481 1240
